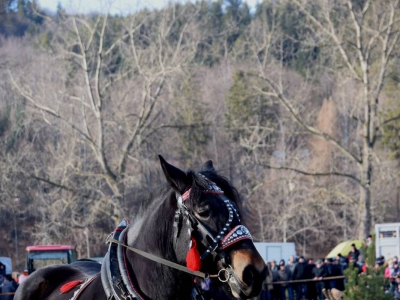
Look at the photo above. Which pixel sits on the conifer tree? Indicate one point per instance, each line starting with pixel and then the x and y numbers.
pixel 368 285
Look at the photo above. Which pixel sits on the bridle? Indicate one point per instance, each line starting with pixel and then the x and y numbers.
pixel 121 287
pixel 214 244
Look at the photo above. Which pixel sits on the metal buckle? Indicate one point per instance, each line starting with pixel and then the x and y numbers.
pixel 224 275
pixel 124 295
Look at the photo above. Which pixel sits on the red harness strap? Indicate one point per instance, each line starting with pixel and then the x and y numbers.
pixel 69 286
pixel 72 284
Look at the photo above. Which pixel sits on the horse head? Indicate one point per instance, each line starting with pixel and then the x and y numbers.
pixel 208 233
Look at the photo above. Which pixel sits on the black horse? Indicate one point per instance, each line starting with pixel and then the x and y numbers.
pixel 189 229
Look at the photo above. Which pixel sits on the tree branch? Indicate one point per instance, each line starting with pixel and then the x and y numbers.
pixel 279 95
pixel 332 34
pixel 50 111
pixel 315 174
pixel 391 119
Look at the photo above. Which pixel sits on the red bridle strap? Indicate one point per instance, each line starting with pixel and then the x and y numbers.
pixel 186 195
pixel 237 234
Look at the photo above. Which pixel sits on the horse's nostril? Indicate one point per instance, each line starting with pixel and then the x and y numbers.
pixel 248 276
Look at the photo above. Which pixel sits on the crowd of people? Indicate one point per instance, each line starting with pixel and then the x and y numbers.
pixel 302 278
pixel 309 276
pixel 8 284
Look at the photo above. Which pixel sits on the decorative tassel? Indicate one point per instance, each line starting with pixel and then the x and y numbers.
pixel 193 261
pixel 69 286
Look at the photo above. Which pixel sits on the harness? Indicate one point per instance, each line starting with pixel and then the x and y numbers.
pixel 115 278
pixel 114 275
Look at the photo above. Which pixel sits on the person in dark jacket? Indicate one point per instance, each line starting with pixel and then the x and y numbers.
pixel 355 265
pixel 339 283
pixel 276 291
pixel 311 290
pixel 291 264
pixel 343 262
pixel 319 272
pixel 267 285
pixel 274 267
pixel 396 269
pixel 281 262
pixel 330 270
pixel 300 273
pixel 2 269
pixel 397 293
pixel 284 275
pixel 8 287
pixel 354 253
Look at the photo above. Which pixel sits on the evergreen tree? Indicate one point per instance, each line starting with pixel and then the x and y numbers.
pixel 236 20
pixel 247 110
pixel 370 284
pixel 17 17
pixel 292 48
pixel 211 47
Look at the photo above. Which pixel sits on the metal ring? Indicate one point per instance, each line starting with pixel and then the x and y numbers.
pixel 226 277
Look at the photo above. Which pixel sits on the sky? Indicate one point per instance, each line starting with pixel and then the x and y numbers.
pixel 115 6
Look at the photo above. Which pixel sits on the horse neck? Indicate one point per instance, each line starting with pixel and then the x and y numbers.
pixel 152 232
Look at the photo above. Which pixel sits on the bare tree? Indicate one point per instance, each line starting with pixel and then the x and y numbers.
pixel 363 38
pixel 99 112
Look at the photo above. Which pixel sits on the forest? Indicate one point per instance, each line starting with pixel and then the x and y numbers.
pixel 296 102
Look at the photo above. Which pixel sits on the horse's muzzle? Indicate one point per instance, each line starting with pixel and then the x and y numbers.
pixel 249 272
pixel 249 286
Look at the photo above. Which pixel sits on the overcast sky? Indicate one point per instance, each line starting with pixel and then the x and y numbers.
pixel 117 6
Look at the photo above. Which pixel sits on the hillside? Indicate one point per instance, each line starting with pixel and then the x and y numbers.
pixel 297 106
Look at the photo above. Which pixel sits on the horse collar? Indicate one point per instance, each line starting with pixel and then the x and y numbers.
pixel 115 278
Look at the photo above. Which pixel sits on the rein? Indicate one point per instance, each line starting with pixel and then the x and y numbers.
pixel 162 260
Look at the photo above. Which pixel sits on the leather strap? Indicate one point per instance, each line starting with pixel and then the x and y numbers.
pixel 122 266
pixel 82 287
pixel 161 260
pixel 104 278
pixel 113 283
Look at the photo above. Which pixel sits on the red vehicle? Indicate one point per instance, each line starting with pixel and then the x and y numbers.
pixel 44 255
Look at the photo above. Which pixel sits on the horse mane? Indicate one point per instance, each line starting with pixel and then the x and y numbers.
pixel 200 184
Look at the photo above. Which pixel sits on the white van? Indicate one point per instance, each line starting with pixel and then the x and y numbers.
pixel 276 251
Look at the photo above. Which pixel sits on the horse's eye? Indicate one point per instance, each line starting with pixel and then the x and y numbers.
pixel 204 212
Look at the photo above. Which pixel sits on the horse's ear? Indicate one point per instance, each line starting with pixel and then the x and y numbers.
pixel 208 166
pixel 175 177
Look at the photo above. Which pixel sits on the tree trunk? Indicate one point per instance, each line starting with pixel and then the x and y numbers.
pixel 364 228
